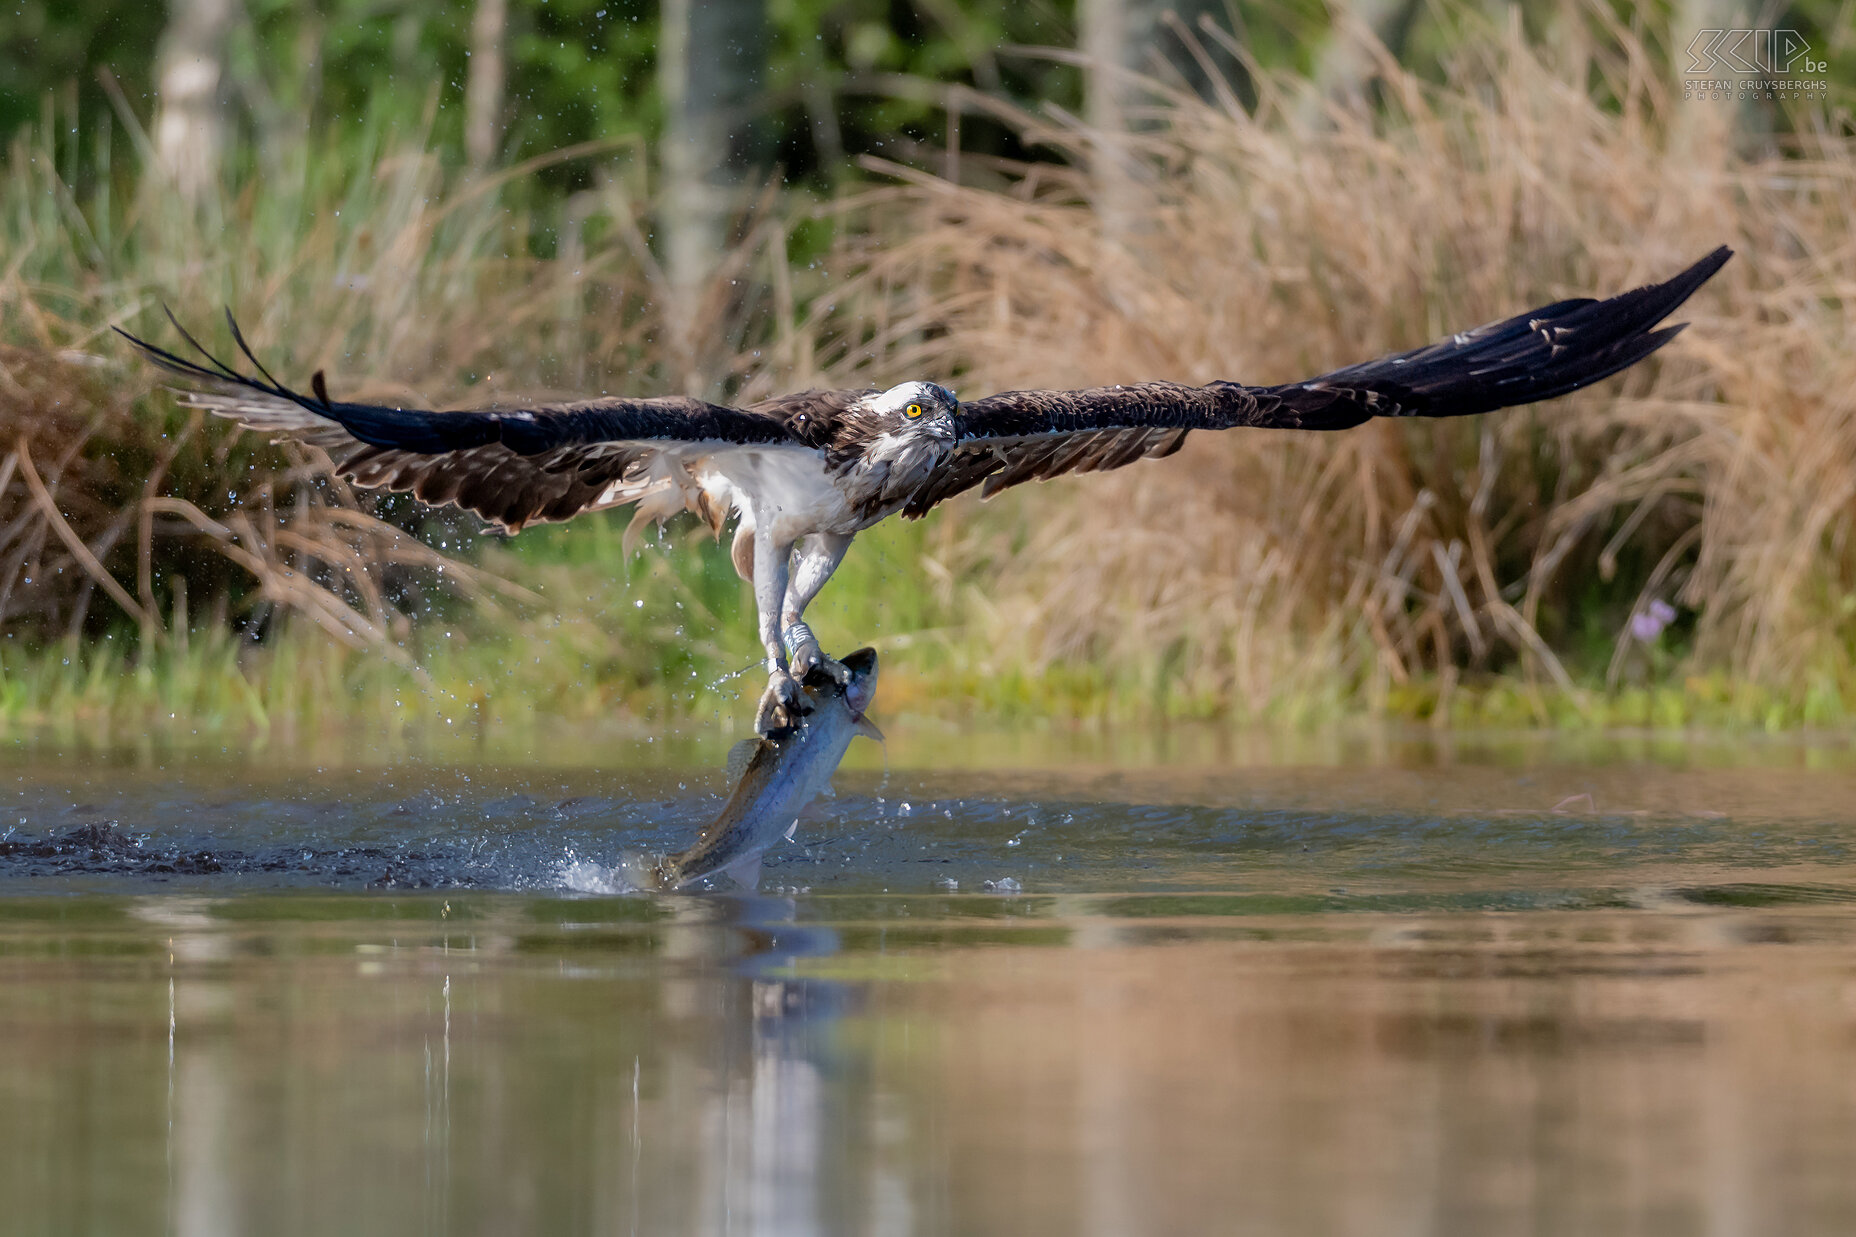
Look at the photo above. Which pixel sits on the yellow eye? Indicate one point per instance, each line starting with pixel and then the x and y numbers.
pixel 912 411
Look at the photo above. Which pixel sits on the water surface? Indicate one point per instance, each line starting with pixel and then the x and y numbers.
pixel 1380 987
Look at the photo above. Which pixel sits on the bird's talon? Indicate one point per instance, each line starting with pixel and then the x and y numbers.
pixel 804 656
pixel 781 705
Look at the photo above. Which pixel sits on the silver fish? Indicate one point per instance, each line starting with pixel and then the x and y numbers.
pixel 776 779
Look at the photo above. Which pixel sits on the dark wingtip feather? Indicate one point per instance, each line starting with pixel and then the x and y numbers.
pixel 1541 354
pixel 173 364
pixel 238 337
pixel 1644 307
pixel 375 426
pixel 215 371
pixel 1704 270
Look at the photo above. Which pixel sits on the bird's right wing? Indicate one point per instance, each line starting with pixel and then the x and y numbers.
pixel 512 466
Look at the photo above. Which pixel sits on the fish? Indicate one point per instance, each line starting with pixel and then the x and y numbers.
pixel 775 779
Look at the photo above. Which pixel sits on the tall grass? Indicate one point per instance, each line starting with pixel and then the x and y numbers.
pixel 1276 573
pixel 1459 570
pixel 405 280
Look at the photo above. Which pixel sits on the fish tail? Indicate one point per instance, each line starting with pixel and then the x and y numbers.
pixel 649 873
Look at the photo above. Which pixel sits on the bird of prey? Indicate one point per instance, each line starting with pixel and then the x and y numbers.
pixel 802 474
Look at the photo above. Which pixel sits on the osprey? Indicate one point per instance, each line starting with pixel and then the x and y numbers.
pixel 803 474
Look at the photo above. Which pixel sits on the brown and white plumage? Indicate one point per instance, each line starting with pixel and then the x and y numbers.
pixel 804 472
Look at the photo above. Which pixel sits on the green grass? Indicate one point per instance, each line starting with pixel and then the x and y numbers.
pixel 664 644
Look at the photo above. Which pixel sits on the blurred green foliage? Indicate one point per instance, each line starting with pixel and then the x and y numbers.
pixel 844 77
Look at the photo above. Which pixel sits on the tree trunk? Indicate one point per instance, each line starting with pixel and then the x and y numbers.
pixel 1123 40
pixel 1146 37
pixel 190 119
pixel 1346 63
pixel 710 58
pixel 483 87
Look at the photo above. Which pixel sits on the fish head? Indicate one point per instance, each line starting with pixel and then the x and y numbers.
pixel 861 690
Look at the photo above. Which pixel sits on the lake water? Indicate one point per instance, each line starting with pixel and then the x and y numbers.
pixel 1187 984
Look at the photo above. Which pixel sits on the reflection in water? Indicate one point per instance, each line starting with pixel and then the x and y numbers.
pixel 203 1201
pixel 763 1110
pixel 200 1103
pixel 783 1121
pixel 438 1125
pixel 771 1066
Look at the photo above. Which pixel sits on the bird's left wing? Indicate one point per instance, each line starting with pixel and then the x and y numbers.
pixel 512 466
pixel 1019 436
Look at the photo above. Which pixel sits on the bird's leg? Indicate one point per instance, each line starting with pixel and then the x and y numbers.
pixel 819 556
pixel 783 701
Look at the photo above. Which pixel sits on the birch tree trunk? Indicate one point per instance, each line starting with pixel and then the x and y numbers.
pixel 1123 40
pixel 1346 61
pixel 1127 37
pixel 190 118
pixel 483 86
pixel 710 59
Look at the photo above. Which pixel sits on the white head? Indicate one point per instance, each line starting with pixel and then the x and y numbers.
pixel 919 406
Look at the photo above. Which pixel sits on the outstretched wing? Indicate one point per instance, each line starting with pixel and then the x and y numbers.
pixel 1019 436
pixel 512 466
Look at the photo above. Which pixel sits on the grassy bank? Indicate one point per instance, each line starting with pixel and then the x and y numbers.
pixel 156 569
pixel 664 645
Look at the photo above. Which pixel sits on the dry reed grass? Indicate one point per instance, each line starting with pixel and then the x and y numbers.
pixel 403 281
pixel 1261 568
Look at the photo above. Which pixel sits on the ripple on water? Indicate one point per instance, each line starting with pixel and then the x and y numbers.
pixel 458 833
